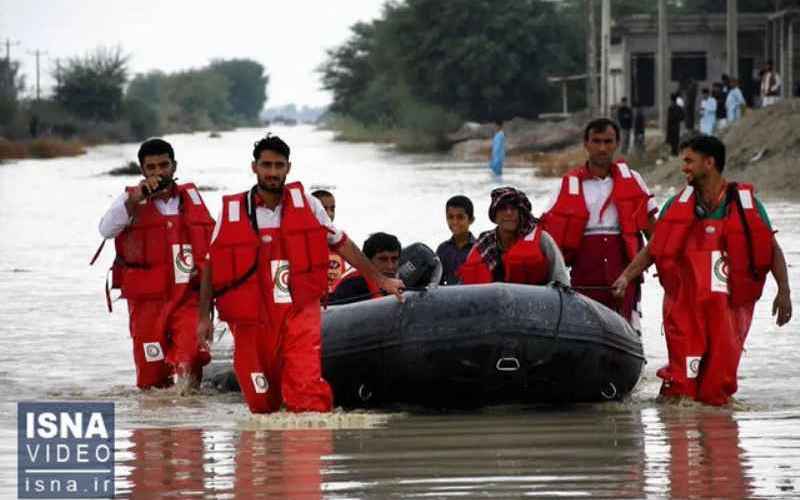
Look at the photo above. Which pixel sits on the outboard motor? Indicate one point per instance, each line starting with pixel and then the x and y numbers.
pixel 419 266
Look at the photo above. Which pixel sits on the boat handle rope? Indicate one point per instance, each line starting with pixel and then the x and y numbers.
pixel 613 393
pixel 365 296
pixel 363 393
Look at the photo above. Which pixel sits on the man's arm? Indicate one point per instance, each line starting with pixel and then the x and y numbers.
pixel 357 259
pixel 782 305
pixel 121 212
pixel 204 326
pixel 642 261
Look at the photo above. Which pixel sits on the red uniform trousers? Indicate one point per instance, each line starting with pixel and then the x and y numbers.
pixel 705 337
pixel 165 341
pixel 283 364
pixel 598 263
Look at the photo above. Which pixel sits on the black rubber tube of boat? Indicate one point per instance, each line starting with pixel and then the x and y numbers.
pixel 556 332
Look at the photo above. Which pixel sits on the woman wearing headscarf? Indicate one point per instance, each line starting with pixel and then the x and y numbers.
pixel 517 250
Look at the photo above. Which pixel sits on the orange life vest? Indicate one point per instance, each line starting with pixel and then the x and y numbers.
pixel 740 261
pixel 523 263
pixel 256 272
pixel 156 254
pixel 566 221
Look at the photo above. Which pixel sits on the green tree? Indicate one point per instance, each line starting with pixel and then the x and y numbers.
pixel 247 85
pixel 11 84
pixel 198 99
pixel 91 87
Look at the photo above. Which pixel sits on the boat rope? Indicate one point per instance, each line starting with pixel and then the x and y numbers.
pixel 365 296
pixel 557 332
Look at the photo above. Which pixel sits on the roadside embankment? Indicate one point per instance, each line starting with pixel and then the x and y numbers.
pixel 39 148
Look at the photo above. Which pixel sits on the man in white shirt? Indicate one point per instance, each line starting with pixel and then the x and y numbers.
pixel 598 217
pixel 160 230
pixel 267 270
pixel 770 85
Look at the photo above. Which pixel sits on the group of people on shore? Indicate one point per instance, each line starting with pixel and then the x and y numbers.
pixel 273 254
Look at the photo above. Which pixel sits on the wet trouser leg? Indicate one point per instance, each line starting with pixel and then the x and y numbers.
pixel 302 385
pixel 185 352
pixel 254 362
pixel 150 344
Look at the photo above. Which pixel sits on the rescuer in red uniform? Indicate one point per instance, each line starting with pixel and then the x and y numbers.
pixel 160 231
pixel 713 247
pixel 267 271
pixel 598 219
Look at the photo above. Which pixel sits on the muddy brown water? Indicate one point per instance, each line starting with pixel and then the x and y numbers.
pixel 57 342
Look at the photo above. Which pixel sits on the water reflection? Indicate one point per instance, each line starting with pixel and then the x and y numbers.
pixel 705 457
pixel 651 452
pixel 196 463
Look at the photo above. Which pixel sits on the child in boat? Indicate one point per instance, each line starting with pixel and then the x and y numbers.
pixel 452 253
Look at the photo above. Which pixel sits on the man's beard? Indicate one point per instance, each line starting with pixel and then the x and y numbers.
pixel 270 189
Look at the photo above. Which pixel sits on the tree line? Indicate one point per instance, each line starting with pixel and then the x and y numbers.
pixel 94 98
pixel 428 65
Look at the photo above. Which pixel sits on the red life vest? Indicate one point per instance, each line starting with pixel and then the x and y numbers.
pixel 740 264
pixel 523 263
pixel 258 274
pixel 566 221
pixel 156 254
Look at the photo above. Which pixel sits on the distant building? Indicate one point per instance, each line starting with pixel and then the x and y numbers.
pixel 698 51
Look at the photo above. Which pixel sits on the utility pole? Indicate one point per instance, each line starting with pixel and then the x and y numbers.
pixel 38 53
pixel 591 60
pixel 605 47
pixel 662 65
pixel 9 44
pixel 732 32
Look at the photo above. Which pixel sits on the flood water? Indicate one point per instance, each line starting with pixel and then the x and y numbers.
pixel 58 342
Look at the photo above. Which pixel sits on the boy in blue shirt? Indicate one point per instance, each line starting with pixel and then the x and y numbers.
pixel 453 252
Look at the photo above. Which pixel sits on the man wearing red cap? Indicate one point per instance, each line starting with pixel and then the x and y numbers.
pixel 598 218
pixel 517 250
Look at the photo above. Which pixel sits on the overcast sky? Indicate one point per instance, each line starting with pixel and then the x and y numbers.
pixel 288 37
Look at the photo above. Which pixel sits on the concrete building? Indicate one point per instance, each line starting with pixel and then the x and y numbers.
pixel 697 44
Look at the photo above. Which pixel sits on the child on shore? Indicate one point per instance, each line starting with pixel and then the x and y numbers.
pixel 453 252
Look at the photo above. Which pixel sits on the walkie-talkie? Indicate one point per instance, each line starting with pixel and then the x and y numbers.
pixel 163 184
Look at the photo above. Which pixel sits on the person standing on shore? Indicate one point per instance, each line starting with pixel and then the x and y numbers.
pixel 598 218
pixel 674 120
pixel 267 271
pixel 734 102
pixel 713 247
pixel 708 113
pixel 498 154
pixel 770 85
pixel 625 120
pixel 161 232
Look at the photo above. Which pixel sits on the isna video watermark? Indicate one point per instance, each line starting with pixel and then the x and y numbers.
pixel 65 450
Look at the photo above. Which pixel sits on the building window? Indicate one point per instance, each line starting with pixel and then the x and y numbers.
pixel 686 65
